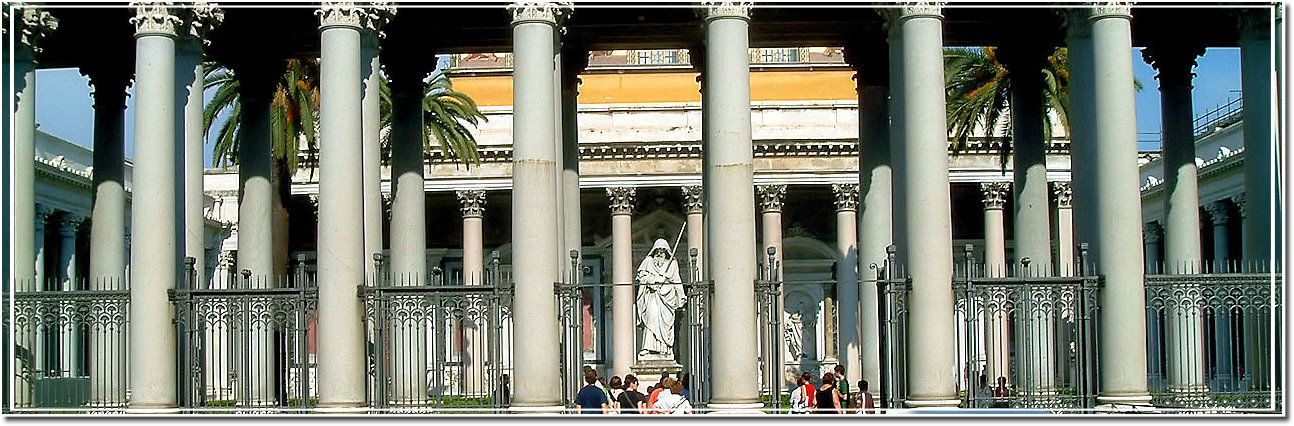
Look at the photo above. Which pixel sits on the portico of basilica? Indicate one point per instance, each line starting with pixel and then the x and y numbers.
pixel 797 158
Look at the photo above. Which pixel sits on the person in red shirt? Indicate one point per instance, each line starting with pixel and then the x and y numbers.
pixel 809 390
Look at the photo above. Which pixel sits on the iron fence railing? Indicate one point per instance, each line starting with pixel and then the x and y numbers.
pixel 69 349
pixel 1227 113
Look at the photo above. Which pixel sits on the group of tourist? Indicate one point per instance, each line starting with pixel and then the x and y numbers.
pixel 831 396
pixel 669 396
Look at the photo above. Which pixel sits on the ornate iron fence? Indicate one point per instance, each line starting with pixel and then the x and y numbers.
pixel 69 348
pixel 1211 341
pixel 442 348
pixel 892 287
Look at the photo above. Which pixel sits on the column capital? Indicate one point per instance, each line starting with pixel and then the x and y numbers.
pixel 42 214
pixel 694 198
pixel 258 75
pixel 1254 25
pixel 1025 57
pixel 574 60
pixel 33 24
pixel 110 81
pixel 201 19
pixel 1174 61
pixel 909 10
pixel 771 197
pixel 1064 194
pixel 155 19
pixel 1218 212
pixel 870 59
pixel 226 259
pixel 846 196
pixel 371 16
pixel 473 202
pixel 313 199
pixel 711 10
pixel 1239 201
pixel 995 194
pixel 622 199
pixel 69 223
pixel 1153 232
pixel 545 12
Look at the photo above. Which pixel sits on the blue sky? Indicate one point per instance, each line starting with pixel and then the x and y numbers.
pixel 63 100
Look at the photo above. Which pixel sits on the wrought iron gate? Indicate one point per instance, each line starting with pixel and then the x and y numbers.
pixel 892 287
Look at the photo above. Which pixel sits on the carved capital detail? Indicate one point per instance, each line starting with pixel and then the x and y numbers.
pixel 846 196
pixel 1153 232
pixel 771 197
pixel 1239 201
pixel 371 16
pixel 694 198
pixel 995 194
pixel 33 25
pixel 202 18
pixel 1064 194
pixel 622 199
pixel 473 201
pixel 725 9
pixel 156 18
pixel 42 214
pixel 226 259
pixel 1218 212
pixel 69 224
pixel 548 12
pixel 905 11
pixel 314 200
pixel 1111 9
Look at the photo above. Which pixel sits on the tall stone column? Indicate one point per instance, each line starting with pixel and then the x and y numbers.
pixel 922 151
pixel 573 61
pixel 473 205
pixel 39 347
pixel 32 25
pixel 408 213
pixel 41 218
pixel 69 339
pixel 371 126
pixel 1153 236
pixel 108 213
pixel 1025 61
pixel 1174 60
pixel 1259 228
pixel 622 277
pixel 998 340
pixel 341 372
pixel 1105 184
pixel 1064 229
pixel 848 332
pixel 730 192
pixel 158 237
pixel 203 17
pixel 534 206
pixel 1223 365
pixel 771 198
pixel 694 205
pixel 696 53
pixel 875 230
pixel 257 80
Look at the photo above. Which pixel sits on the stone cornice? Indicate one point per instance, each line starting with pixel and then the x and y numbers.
pixel 693 198
pixel 473 202
pixel 155 18
pixel 546 12
pixel 1227 159
pixel 771 197
pixel 995 194
pixel 846 196
pixel 711 10
pixel 622 199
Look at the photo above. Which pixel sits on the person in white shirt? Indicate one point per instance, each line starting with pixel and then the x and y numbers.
pixel 671 401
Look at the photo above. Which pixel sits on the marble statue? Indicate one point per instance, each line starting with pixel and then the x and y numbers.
pixel 660 293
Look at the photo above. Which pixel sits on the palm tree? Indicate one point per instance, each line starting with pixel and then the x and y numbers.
pixel 446 116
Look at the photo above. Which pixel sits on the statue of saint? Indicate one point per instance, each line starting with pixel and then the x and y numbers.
pixel 660 293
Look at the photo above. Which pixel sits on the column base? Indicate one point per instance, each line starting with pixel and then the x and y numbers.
pixel 342 410
pixel 161 409
pixel 932 403
pixel 538 410
pixel 1123 404
pixel 748 408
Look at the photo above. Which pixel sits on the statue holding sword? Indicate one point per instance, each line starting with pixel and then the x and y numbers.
pixel 660 294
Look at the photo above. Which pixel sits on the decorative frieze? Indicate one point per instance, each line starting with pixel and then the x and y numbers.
pixel 622 199
pixel 846 196
pixel 1218 212
pixel 995 194
pixel 1064 194
pixel 771 197
pixel 693 198
pixel 473 202
pixel 548 12
pixel 725 9
pixel 155 18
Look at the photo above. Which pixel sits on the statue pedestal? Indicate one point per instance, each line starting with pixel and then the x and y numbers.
pixel 651 368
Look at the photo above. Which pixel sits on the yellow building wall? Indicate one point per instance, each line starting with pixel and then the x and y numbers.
pixel 496 90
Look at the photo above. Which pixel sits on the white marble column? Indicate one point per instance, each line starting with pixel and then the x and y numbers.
pixel 875 230
pixel 341 373
pixel 473 205
pixel 1259 228
pixel 1153 237
pixel 203 17
pixel 1025 59
pixel 1174 60
pixel 534 206
pixel 1223 365
pixel 31 25
pixel 370 125
pixel 923 200
pixel 108 214
pixel 997 342
pixel 573 61
pixel 694 205
pixel 157 239
pixel 623 346
pixel 771 199
pixel 41 220
pixel 69 340
pixel 408 216
pixel 730 188
pixel 848 330
pixel 1105 183
pixel 1220 216
pixel 39 347
pixel 1064 229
